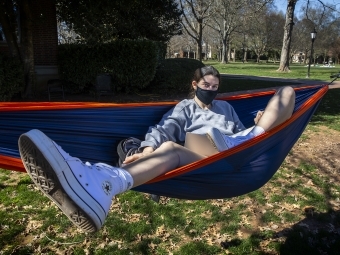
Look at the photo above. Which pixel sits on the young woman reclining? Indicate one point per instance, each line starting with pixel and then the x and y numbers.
pixel 84 191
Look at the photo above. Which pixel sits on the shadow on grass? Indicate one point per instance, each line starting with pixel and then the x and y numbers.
pixel 235 84
pixel 318 233
pixel 251 245
pixel 329 106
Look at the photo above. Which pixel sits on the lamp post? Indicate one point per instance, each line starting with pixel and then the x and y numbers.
pixel 313 36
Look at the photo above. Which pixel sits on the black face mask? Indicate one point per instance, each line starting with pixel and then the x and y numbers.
pixel 206 96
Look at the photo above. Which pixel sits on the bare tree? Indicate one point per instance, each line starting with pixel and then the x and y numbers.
pixel 211 42
pixel 195 13
pixel 274 23
pixel 288 29
pixel 301 41
pixel 335 50
pixel 226 20
pixel 263 32
pixel 179 43
pixel 287 37
pixel 327 25
pixel 229 16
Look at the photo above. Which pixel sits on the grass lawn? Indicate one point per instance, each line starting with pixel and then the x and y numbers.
pixel 297 212
pixel 298 71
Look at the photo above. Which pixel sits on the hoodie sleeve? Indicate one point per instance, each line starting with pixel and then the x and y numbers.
pixel 170 128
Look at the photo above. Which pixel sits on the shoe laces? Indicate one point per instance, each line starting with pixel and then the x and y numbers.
pixel 104 166
pixel 98 166
pixel 67 156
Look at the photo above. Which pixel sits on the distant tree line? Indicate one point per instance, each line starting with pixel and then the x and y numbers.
pixel 225 25
pixel 257 27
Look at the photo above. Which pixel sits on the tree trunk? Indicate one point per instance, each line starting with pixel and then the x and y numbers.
pixel 288 29
pixel 245 55
pixel 199 43
pixel 27 46
pixel 224 59
pixel 6 15
pixel 229 52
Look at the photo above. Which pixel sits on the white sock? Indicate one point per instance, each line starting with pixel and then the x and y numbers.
pixel 122 179
pixel 257 130
pixel 126 179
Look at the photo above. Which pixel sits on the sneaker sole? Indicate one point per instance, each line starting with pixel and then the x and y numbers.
pixel 217 140
pixel 49 171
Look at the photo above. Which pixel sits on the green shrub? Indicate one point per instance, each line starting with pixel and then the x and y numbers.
pixel 162 49
pixel 132 63
pixel 175 74
pixel 11 77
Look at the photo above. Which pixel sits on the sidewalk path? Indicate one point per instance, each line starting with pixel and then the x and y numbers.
pixel 298 82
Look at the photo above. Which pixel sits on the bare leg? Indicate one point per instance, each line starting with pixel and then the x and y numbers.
pixel 279 108
pixel 83 191
pixel 167 157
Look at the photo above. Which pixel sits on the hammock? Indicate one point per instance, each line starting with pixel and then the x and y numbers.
pixel 91 131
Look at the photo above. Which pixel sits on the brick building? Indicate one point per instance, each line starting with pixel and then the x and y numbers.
pixel 45 42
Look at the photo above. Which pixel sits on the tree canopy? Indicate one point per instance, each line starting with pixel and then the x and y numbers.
pixel 106 20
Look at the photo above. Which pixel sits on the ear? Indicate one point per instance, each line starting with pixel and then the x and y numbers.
pixel 194 85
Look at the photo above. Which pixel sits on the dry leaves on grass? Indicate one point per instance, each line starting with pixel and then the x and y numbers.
pixel 319 147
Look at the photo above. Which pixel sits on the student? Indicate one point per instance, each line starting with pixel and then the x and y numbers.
pixel 84 191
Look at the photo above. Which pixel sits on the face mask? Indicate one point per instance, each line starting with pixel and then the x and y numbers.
pixel 206 96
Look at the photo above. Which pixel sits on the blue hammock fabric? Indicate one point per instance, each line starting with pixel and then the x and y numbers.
pixel 92 134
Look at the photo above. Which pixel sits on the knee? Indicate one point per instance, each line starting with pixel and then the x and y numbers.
pixel 288 99
pixel 169 146
pixel 171 149
pixel 287 92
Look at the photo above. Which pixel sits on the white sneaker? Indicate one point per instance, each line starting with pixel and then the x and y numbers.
pixel 224 142
pixel 83 192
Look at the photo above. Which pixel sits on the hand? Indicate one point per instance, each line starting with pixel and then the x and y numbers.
pixel 134 157
pixel 258 116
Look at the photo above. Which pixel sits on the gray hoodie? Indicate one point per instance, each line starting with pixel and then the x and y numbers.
pixel 188 116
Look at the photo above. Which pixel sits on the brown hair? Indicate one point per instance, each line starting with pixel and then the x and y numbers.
pixel 200 73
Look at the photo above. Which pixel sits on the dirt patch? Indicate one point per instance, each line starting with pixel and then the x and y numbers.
pixel 321 148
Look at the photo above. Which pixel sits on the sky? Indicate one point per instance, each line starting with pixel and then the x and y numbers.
pixel 282 4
